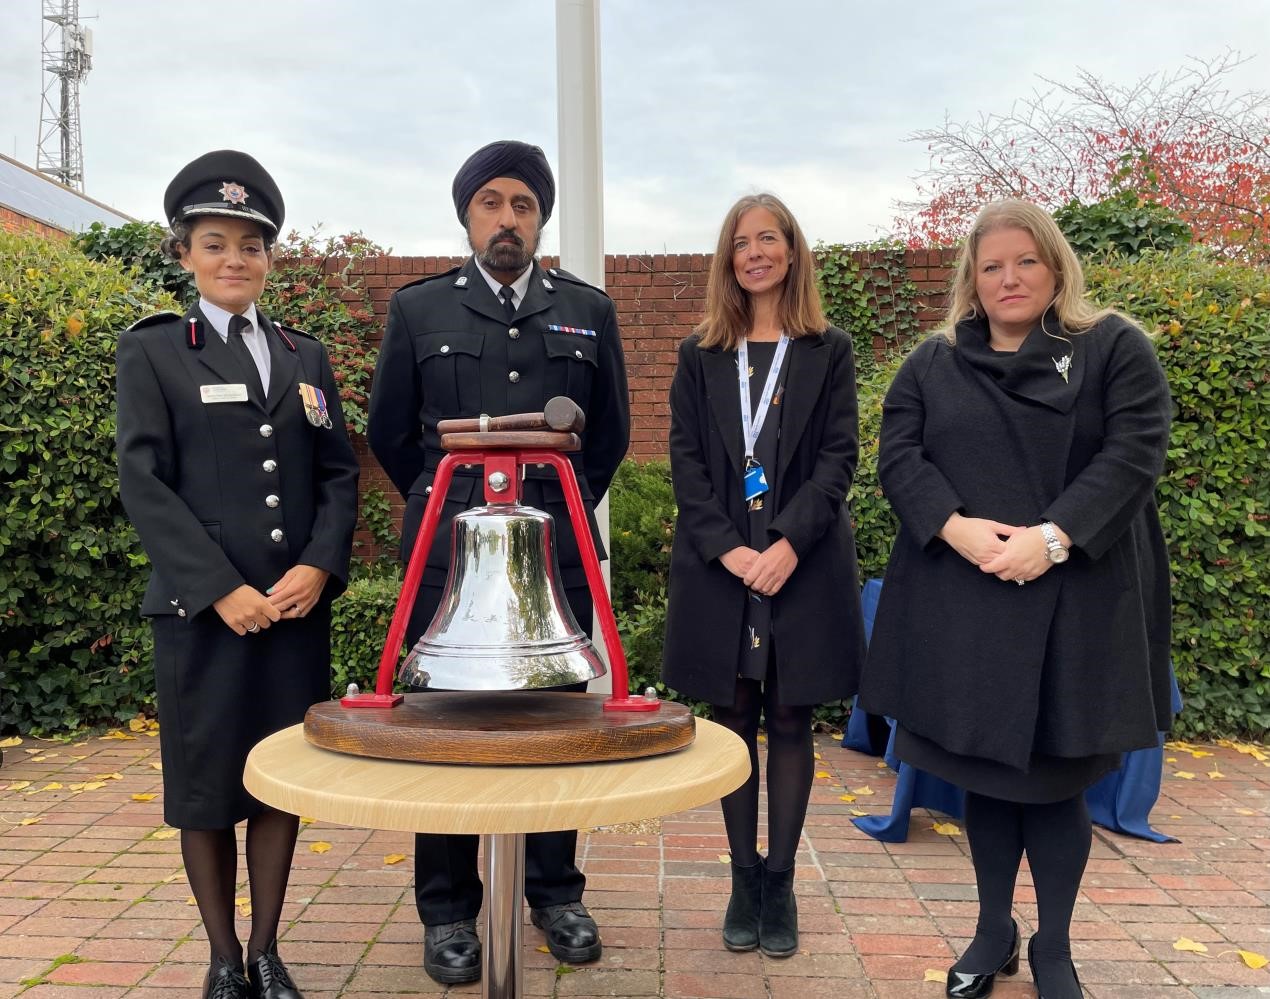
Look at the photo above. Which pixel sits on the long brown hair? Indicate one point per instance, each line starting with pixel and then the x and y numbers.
pixel 1075 313
pixel 729 312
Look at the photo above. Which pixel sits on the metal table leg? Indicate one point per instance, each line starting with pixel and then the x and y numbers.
pixel 504 870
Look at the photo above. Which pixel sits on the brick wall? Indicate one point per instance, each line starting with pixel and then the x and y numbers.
pixel 659 298
pixel 11 221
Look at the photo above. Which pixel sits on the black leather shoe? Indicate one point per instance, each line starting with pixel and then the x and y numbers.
pixel 224 981
pixel 452 952
pixel 1031 963
pixel 572 935
pixel 269 977
pixel 968 985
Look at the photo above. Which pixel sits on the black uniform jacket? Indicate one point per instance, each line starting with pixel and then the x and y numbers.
pixel 1075 662
pixel 449 351
pixel 817 628
pixel 207 484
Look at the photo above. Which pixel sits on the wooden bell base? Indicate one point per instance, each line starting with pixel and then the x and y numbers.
pixel 512 727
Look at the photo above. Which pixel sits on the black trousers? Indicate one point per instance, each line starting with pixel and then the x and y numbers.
pixel 447 884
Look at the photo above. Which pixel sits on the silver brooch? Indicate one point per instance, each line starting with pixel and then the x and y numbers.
pixel 1063 365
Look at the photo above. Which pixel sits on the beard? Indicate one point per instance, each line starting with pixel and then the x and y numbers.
pixel 512 256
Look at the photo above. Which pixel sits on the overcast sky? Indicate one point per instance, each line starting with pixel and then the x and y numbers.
pixel 363 110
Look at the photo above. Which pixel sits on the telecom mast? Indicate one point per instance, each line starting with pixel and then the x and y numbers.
pixel 68 56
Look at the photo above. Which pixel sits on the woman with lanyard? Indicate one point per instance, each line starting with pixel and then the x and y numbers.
pixel 764 617
pixel 236 470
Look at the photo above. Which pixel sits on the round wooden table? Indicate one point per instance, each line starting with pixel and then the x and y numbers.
pixel 499 803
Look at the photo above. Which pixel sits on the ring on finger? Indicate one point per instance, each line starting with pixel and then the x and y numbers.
pixel 253 629
pixel 1020 580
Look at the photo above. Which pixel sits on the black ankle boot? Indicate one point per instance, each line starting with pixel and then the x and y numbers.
pixel 778 917
pixel 740 922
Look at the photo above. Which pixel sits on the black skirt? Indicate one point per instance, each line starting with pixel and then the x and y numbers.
pixel 219 694
pixel 1047 778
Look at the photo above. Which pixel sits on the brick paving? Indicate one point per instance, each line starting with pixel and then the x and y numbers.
pixel 94 905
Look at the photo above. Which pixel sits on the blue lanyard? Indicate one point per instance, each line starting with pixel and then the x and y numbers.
pixel 751 427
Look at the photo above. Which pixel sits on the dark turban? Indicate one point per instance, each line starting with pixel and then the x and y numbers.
pixel 507 158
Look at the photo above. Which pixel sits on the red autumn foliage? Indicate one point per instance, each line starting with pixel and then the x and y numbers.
pixel 1183 140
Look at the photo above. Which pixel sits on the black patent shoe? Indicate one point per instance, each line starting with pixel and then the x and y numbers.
pixel 968 985
pixel 224 981
pixel 1031 963
pixel 452 952
pixel 269 977
pixel 572 935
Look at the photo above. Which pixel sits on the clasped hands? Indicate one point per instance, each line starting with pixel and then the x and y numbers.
pixel 763 572
pixel 1008 552
pixel 246 610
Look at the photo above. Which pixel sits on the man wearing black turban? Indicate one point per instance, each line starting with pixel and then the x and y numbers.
pixel 498 335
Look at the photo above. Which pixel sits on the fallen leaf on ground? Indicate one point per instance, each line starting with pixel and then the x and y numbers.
pixel 846 797
pixel 178 876
pixel 816 756
pixel 50 786
pixel 137 724
pixel 947 828
pixel 935 975
pixel 40 759
pixel 108 777
pixel 822 773
pixel 866 790
pixel 321 846
pixel 305 820
pixel 119 736
pixel 1244 811
pixel 18 785
pixel 29 821
pixel 857 812
pixel 191 901
pixel 882 765
pixel 244 906
pixel 1216 774
pixel 11 742
pixel 1186 943
pixel 394 858
pixel 725 858
pixel 543 950
pixel 157 766
pixel 144 797
pixel 1254 960
pixel 1184 774
pixel 164 833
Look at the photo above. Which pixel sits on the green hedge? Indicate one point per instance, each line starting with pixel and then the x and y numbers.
pixel 73 647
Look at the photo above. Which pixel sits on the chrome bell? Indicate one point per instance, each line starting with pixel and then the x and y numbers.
pixel 503 622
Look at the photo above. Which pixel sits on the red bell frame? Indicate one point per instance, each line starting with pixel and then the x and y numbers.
pixel 509 461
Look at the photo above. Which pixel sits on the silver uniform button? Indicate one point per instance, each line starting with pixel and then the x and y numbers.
pixel 271 501
pixel 445 348
pixel 266 430
pixel 514 333
pixel 513 376
pixel 181 612
pixel 428 489
pixel 276 534
pixel 269 465
pixel 578 354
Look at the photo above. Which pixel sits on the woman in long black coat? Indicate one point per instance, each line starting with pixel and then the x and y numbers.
pixel 236 470
pixel 764 616
pixel 1022 637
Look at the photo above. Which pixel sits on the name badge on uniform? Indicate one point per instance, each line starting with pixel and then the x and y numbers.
pixel 223 393
pixel 315 405
pixel 755 480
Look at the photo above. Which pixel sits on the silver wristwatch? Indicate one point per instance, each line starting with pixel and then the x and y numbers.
pixel 1054 550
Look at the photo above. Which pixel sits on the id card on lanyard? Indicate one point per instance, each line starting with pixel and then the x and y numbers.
pixel 755 481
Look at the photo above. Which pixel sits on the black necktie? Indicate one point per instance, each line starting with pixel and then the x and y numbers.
pixel 237 324
pixel 509 307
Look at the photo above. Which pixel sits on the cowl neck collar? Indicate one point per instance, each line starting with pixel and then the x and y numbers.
pixel 1047 368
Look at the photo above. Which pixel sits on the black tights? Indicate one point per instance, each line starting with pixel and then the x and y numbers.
pixel 1056 838
pixel 211 864
pixel 790 766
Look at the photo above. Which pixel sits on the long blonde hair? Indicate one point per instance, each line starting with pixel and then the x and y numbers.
pixel 1075 313
pixel 729 312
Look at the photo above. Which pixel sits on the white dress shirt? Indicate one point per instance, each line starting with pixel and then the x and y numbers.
pixel 519 286
pixel 252 337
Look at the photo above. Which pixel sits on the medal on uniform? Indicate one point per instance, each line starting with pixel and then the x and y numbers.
pixel 315 405
pixel 754 482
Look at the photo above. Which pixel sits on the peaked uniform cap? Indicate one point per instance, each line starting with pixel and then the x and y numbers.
pixel 225 182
